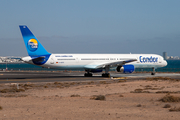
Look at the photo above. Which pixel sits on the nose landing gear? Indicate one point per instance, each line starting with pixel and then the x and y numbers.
pixel 154 72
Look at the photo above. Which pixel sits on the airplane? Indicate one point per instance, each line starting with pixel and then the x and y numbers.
pixel 91 63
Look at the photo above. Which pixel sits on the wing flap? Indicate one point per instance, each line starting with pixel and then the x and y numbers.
pixel 110 64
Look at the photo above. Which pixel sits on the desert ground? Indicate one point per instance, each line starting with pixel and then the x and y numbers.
pixel 155 98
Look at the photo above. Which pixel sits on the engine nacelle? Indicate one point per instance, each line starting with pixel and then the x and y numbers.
pixel 94 70
pixel 125 68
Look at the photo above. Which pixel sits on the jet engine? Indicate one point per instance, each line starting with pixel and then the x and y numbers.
pixel 125 68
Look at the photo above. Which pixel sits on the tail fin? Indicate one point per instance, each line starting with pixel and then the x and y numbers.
pixel 33 46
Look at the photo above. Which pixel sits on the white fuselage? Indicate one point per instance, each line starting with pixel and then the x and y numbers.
pixel 87 61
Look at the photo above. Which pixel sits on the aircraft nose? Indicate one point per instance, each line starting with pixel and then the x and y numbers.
pixel 165 62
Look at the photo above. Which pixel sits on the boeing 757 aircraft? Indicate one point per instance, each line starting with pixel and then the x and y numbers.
pixel 91 63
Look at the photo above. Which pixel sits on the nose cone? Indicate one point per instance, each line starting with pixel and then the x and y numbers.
pixel 164 62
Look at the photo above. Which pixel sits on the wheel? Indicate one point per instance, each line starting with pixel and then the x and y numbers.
pixel 105 75
pixel 88 74
pixel 152 73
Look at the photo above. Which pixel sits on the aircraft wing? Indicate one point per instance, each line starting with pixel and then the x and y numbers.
pixel 110 64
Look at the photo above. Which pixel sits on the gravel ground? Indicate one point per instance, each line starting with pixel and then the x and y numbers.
pixel 118 99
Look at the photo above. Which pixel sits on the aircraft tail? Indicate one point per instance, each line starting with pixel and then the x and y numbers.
pixel 34 48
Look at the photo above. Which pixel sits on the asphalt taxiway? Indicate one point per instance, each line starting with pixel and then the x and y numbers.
pixel 22 77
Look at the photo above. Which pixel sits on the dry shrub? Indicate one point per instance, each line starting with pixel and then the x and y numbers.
pixel 121 95
pixel 138 91
pixel 3 91
pixel 167 106
pixel 92 82
pixel 170 98
pixel 98 97
pixel 59 86
pixel 168 92
pixel 62 85
pixel 15 95
pixel 175 109
pixel 161 78
pixel 148 86
pixel 12 90
pixel 45 86
pixel 103 82
pixel 1 107
pixel 75 95
pixel 162 92
pixel 18 90
pixel 123 85
pixel 48 84
pixel 56 83
pixel 67 85
pixel 139 105
pixel 146 92
pixel 73 83
pixel 28 85
pixel 22 95
pixel 79 83
pixel 121 80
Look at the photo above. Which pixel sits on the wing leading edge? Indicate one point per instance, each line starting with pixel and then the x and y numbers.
pixel 109 64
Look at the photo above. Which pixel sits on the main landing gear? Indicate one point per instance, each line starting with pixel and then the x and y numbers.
pixel 154 72
pixel 88 74
pixel 106 74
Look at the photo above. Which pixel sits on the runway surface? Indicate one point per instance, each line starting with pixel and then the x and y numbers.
pixel 22 77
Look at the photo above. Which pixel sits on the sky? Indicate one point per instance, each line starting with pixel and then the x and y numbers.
pixel 92 26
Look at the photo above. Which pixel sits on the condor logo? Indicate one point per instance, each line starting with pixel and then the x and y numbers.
pixel 32 45
pixel 148 59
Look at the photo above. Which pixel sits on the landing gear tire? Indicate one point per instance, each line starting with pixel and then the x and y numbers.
pixel 105 75
pixel 153 73
pixel 88 74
